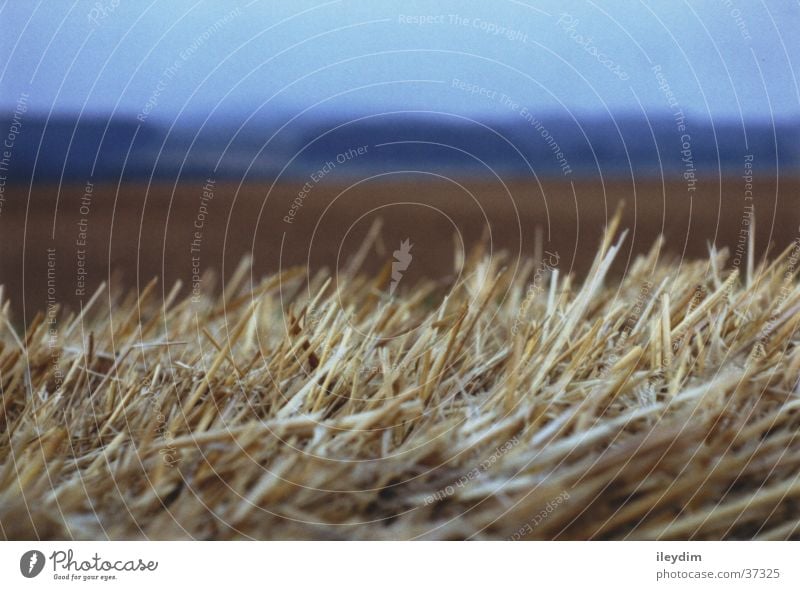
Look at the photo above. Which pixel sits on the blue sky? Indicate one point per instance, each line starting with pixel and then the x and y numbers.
pixel 724 58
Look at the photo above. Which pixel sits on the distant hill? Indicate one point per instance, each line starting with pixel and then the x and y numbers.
pixel 123 148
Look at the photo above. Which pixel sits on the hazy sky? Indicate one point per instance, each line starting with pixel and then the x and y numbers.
pixel 724 57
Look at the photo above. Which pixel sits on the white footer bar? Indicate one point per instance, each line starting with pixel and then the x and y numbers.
pixel 404 566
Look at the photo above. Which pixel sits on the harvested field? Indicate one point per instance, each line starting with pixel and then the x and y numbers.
pixel 134 231
pixel 509 399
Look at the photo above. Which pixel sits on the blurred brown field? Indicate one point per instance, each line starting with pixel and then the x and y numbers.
pixel 136 232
